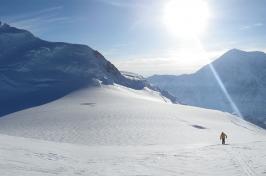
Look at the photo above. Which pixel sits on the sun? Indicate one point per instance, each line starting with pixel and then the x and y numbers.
pixel 186 17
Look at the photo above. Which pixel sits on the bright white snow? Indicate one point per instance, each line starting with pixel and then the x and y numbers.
pixel 113 130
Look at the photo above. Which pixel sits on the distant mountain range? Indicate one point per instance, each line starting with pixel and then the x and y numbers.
pixel 34 71
pixel 237 78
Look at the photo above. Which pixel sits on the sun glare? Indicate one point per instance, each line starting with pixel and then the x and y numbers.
pixel 186 17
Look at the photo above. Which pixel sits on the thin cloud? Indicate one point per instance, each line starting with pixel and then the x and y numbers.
pixel 255 25
pixel 121 3
pixel 37 20
pixel 114 3
pixel 174 60
pixel 51 9
pixel 258 24
pixel 150 66
pixel 178 63
pixel 29 15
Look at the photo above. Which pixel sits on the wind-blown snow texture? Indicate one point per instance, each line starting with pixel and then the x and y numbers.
pixel 243 75
pixel 34 71
pixel 127 132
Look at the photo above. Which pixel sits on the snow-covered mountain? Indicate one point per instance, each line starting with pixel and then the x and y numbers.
pixel 99 121
pixel 241 74
pixel 34 71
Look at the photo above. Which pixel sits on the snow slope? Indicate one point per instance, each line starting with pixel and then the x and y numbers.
pixel 114 130
pixel 28 157
pixel 116 115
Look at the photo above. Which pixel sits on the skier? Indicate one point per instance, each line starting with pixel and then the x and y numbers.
pixel 222 137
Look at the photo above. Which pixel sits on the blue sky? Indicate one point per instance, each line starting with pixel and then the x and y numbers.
pixel 131 34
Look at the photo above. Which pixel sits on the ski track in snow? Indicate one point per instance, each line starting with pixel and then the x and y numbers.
pixel 48 158
pixel 240 162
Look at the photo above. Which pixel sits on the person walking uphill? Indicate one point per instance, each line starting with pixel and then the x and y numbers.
pixel 223 136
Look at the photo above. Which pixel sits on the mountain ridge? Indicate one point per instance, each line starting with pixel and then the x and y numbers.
pixel 240 73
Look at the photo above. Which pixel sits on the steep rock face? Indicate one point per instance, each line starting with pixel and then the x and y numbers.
pixel 241 74
pixel 34 71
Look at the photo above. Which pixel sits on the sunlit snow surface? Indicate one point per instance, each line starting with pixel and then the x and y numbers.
pixel 113 130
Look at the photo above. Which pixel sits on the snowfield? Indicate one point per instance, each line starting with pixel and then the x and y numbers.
pixel 114 130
